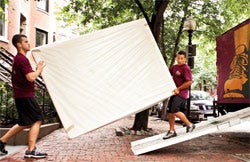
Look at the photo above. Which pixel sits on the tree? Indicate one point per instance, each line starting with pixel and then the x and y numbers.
pixel 213 17
pixel 141 118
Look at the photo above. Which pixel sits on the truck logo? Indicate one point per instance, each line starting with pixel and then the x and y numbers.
pixel 234 86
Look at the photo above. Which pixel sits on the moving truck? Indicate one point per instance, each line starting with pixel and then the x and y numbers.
pixel 233 61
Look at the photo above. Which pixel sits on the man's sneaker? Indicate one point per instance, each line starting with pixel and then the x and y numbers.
pixel 190 128
pixel 169 135
pixel 34 154
pixel 2 148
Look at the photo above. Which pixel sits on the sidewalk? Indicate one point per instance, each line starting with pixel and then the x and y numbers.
pixel 103 145
pixel 12 149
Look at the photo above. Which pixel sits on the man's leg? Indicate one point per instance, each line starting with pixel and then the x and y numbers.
pixel 171 120
pixel 13 131
pixel 171 133
pixel 183 118
pixel 33 134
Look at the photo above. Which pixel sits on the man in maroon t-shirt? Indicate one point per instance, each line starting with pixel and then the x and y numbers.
pixel 182 77
pixel 29 112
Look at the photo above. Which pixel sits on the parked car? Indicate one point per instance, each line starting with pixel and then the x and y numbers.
pixel 156 109
pixel 201 105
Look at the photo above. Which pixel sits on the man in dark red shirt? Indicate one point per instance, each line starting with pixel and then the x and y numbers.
pixel 29 112
pixel 182 77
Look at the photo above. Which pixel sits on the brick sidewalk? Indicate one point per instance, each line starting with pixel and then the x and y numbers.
pixel 103 145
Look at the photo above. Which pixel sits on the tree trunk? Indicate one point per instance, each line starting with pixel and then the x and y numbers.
pixel 164 110
pixel 185 9
pixel 141 121
pixel 141 118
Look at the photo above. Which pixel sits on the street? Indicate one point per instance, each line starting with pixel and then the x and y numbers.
pixel 103 145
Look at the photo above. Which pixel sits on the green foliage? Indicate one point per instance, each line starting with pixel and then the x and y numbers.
pixel 8 112
pixel 213 18
pixel 93 15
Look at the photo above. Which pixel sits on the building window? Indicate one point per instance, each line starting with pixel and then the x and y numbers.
pixel 43 5
pixel 41 37
pixel 3 19
pixel 22 25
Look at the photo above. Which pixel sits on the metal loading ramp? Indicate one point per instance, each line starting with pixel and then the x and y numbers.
pixel 212 125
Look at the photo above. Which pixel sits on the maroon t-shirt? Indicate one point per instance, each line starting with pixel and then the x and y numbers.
pixel 22 87
pixel 181 74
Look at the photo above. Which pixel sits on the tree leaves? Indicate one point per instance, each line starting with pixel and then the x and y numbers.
pixel 213 17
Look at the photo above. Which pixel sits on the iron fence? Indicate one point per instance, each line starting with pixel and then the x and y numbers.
pixel 8 112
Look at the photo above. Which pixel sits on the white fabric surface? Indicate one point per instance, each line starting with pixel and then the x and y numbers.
pixel 103 76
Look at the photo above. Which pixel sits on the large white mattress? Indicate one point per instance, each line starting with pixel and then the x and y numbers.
pixel 103 76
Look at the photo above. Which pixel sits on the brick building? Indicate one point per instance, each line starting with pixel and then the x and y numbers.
pixel 30 17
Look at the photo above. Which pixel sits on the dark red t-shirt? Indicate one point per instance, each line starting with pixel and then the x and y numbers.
pixel 22 87
pixel 181 74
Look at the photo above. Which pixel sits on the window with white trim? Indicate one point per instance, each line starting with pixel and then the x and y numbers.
pixel 3 19
pixel 23 24
pixel 43 5
pixel 41 37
